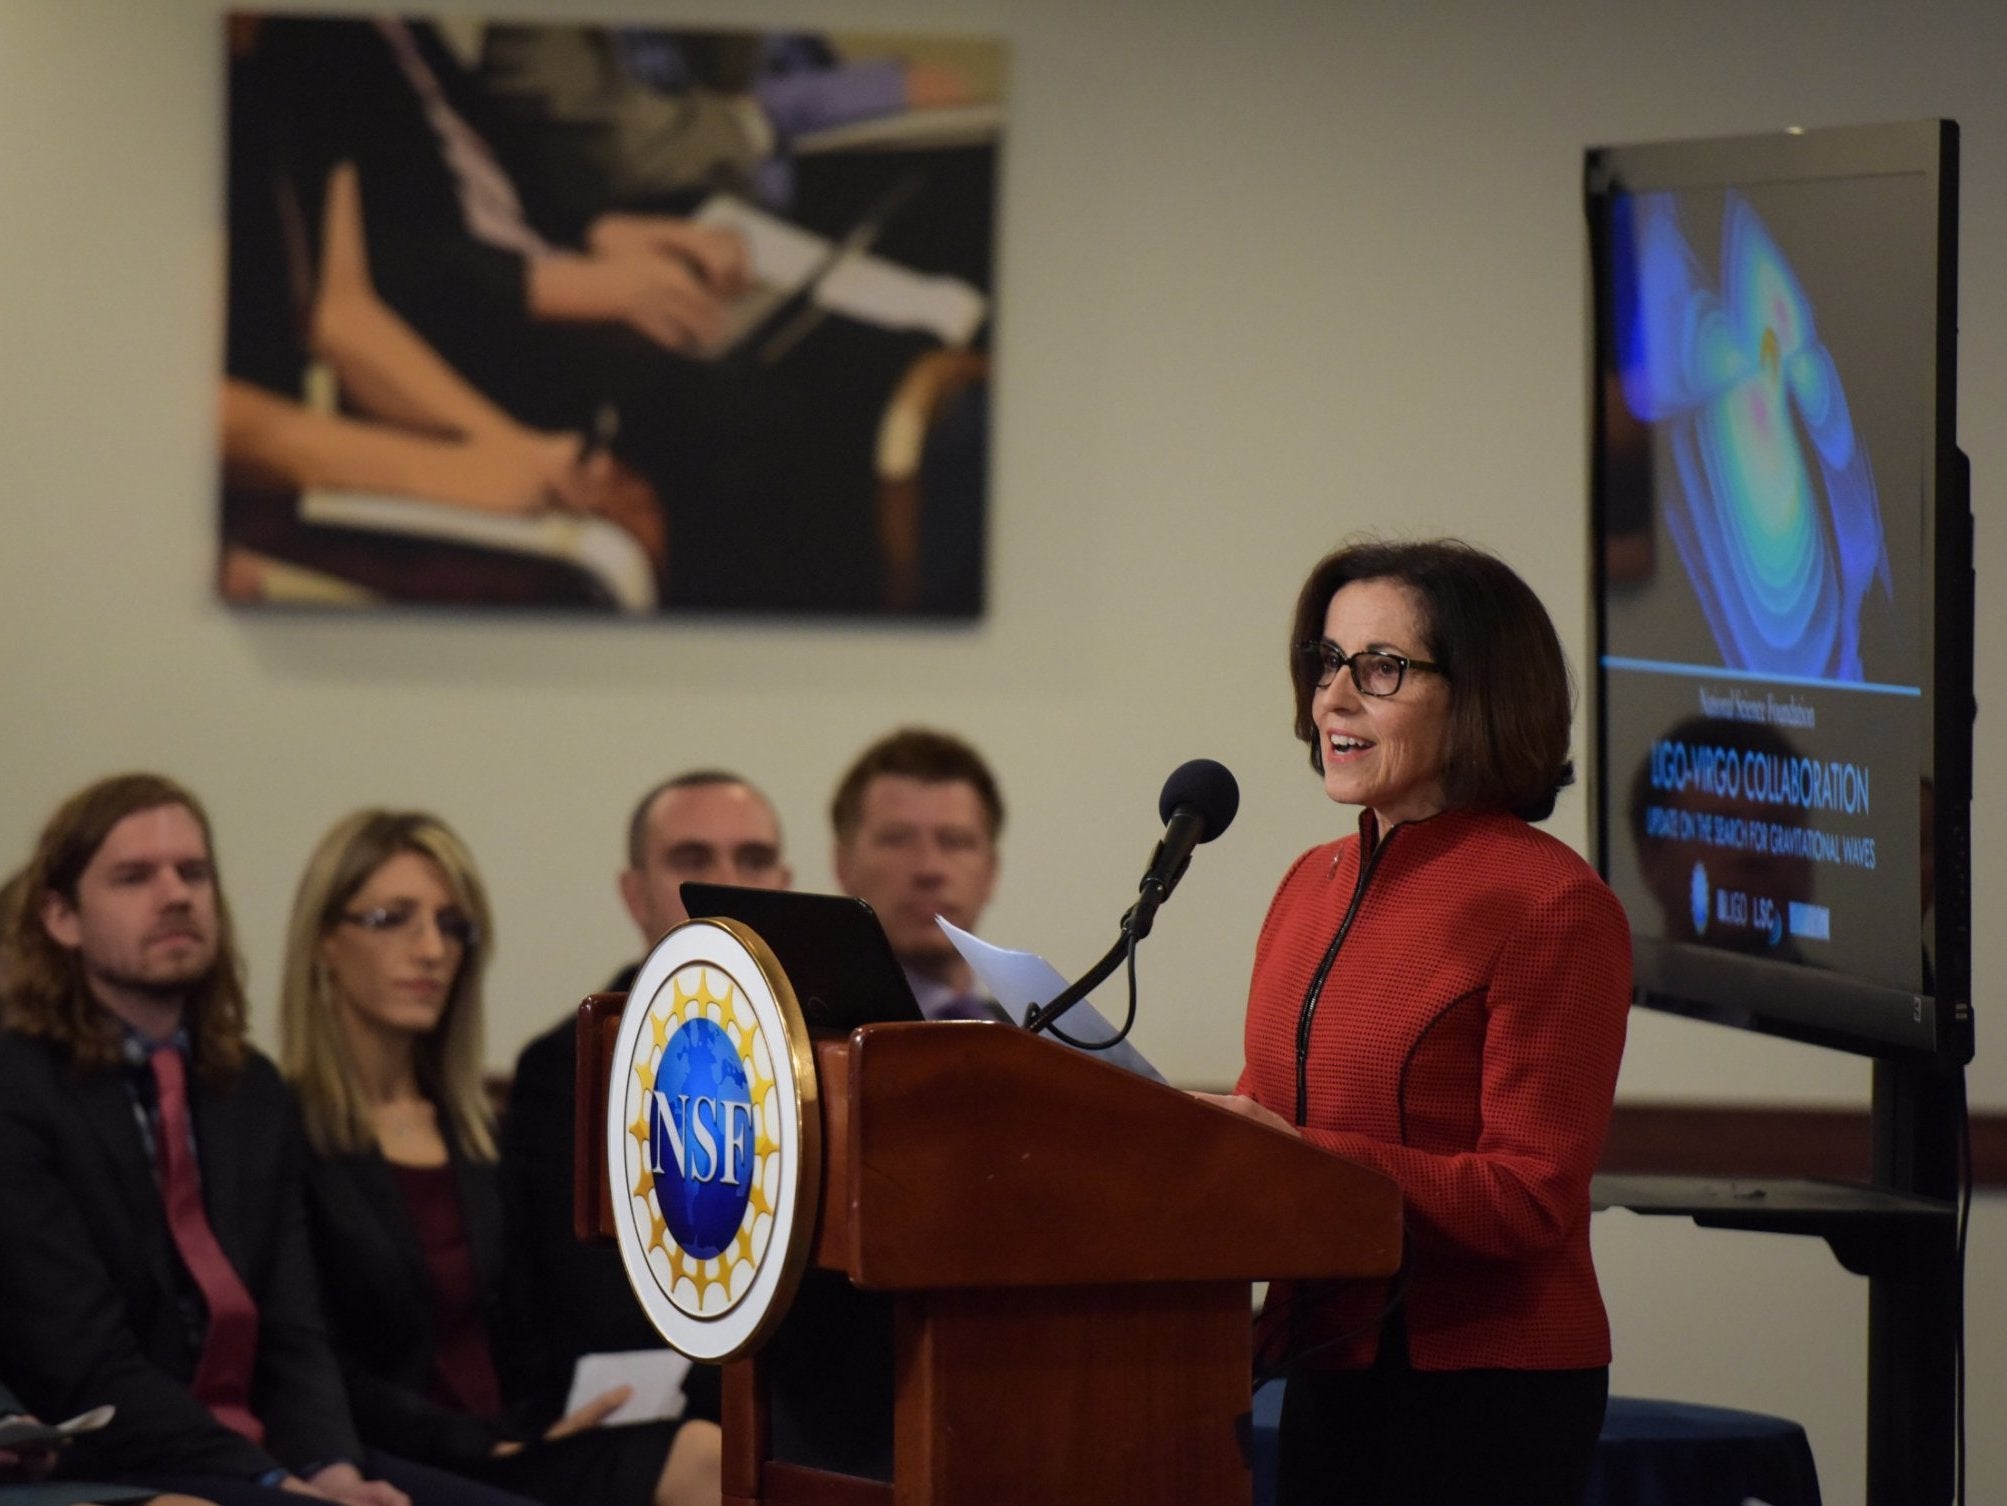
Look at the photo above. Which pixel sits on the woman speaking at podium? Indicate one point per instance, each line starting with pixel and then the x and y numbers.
pixel 1441 996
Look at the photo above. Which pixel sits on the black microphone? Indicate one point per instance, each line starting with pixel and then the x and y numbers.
pixel 1199 802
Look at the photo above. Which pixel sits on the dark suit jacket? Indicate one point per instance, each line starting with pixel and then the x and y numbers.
pixel 378 1294
pixel 582 1302
pixel 88 1293
pixel 63 1493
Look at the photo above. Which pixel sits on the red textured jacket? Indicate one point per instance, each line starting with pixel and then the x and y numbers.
pixel 1452 1016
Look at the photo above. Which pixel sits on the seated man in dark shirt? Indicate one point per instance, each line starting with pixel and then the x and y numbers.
pixel 705 825
pixel 916 819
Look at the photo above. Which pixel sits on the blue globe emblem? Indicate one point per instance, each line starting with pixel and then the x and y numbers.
pixel 701 1143
pixel 1699 897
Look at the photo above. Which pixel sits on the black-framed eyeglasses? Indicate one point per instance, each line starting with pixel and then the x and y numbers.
pixel 396 920
pixel 1373 672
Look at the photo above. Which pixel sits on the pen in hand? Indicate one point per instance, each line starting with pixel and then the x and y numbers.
pixel 599 439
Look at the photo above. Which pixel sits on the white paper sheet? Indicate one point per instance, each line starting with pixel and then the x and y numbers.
pixel 1018 980
pixel 865 287
pixel 21 1431
pixel 655 1374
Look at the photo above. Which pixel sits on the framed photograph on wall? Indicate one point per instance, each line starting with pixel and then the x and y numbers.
pixel 619 318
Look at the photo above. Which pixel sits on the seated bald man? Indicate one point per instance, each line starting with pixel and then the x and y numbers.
pixel 706 825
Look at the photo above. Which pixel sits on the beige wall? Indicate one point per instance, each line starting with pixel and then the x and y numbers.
pixel 1271 272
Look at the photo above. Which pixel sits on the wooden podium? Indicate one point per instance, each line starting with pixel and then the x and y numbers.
pixel 1061 1252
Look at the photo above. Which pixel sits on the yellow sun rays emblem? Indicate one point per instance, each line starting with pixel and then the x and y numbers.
pixel 705 1287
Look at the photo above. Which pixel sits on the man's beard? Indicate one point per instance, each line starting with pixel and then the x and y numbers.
pixel 169 987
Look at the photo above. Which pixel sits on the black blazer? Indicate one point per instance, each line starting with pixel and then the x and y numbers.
pixel 378 1296
pixel 88 1297
pixel 578 1301
pixel 584 1303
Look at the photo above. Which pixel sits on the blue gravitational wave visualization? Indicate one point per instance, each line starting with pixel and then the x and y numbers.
pixel 1774 514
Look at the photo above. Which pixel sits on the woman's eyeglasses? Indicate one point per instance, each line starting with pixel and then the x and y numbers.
pixel 402 919
pixel 1373 673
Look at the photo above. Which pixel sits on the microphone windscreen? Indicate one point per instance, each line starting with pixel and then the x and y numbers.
pixel 1208 787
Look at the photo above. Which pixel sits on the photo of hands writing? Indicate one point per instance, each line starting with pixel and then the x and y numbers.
pixel 607 318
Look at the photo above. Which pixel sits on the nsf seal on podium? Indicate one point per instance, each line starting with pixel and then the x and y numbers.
pixel 713 1139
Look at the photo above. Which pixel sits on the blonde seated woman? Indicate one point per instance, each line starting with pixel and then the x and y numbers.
pixel 381 1039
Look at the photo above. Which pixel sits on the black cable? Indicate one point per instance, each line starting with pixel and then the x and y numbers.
pixel 1041 1016
pixel 1128 1022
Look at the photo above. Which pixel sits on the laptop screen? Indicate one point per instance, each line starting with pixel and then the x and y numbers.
pixel 832 948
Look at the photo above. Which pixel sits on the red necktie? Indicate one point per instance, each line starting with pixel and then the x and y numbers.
pixel 230 1342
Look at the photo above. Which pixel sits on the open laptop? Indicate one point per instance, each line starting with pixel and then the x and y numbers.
pixel 835 953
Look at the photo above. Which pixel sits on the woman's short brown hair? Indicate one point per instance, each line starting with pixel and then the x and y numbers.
pixel 1511 701
pixel 916 753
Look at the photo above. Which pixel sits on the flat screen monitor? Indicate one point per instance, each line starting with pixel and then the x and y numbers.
pixel 1783 582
